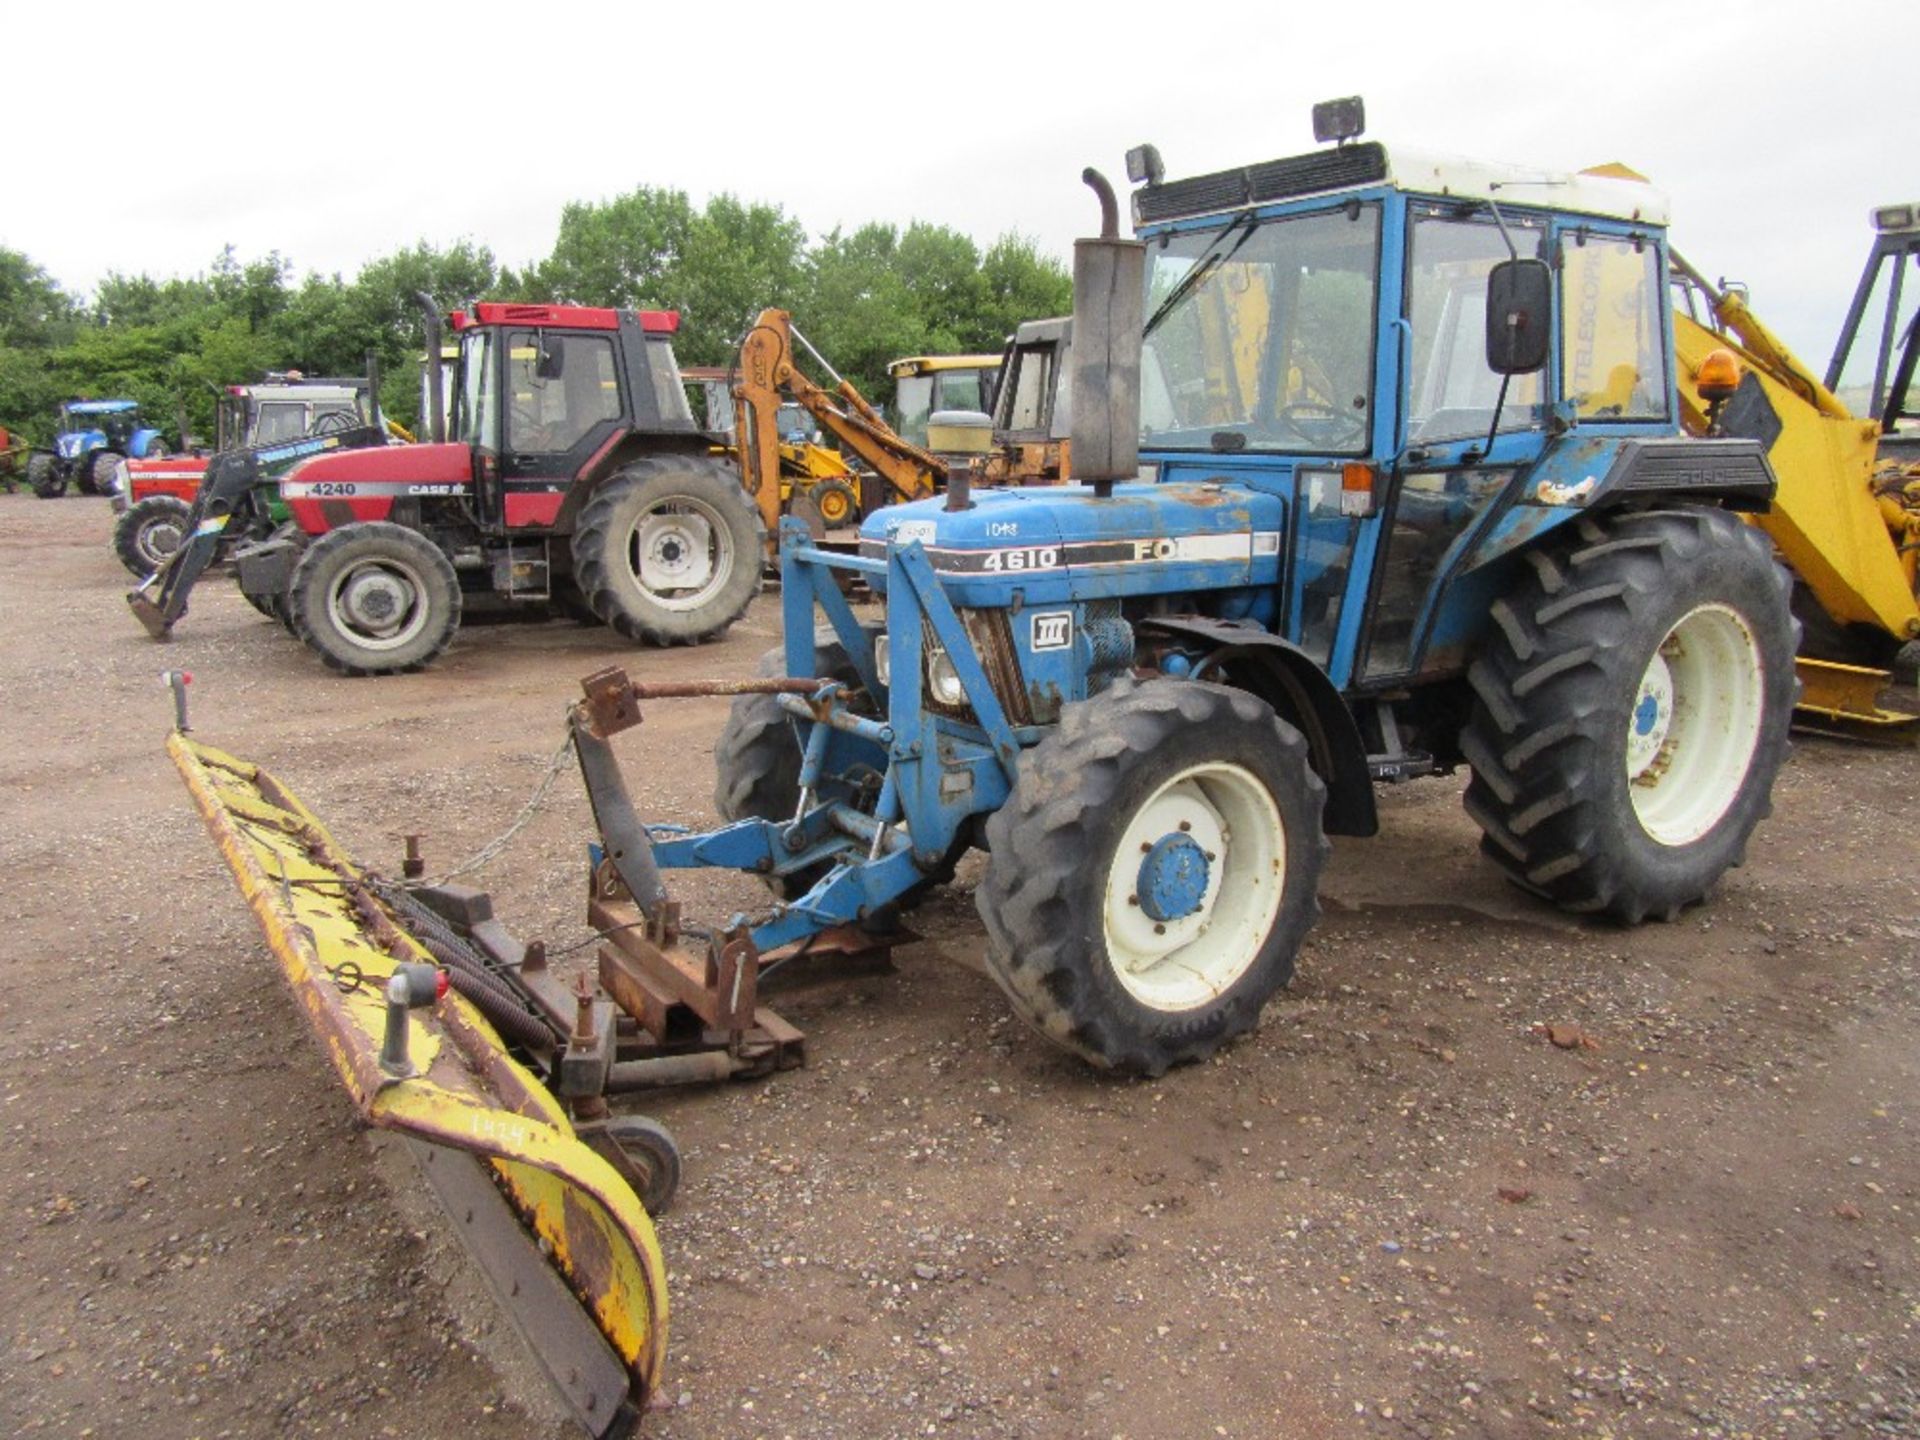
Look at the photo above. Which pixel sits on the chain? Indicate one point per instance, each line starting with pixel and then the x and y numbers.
pixel 489 852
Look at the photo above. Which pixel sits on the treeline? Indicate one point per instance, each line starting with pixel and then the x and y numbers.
pixel 863 298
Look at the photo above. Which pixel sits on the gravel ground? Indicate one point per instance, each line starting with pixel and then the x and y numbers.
pixel 1401 1208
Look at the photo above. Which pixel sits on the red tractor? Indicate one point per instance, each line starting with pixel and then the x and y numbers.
pixel 570 473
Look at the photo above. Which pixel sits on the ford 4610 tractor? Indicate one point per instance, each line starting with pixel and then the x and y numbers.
pixel 1410 492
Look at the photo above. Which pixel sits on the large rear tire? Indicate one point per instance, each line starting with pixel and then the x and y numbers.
pixel 374 599
pixel 45 477
pixel 148 533
pixel 1153 872
pixel 1631 711
pixel 668 550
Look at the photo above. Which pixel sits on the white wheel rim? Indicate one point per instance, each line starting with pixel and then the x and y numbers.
pixel 378 604
pixel 1194 950
pixel 680 553
pixel 1695 725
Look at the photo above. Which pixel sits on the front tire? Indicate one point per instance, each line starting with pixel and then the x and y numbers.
pixel 668 549
pixel 1153 872
pixel 1631 711
pixel 96 470
pixel 374 598
pixel 149 533
pixel 45 477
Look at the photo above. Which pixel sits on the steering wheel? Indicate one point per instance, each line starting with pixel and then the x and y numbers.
pixel 1323 424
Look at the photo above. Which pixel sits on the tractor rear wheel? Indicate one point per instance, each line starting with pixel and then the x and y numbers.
pixel 148 533
pixel 1153 873
pixel 668 549
pixel 45 477
pixel 1631 711
pixel 374 598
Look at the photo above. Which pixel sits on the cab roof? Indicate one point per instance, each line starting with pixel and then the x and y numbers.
pixel 564 317
pixel 930 364
pixel 101 407
pixel 1609 191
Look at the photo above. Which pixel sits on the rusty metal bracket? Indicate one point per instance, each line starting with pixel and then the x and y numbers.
pixel 612 702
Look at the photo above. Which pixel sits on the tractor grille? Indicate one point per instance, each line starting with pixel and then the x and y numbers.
pixel 1336 169
pixel 992 634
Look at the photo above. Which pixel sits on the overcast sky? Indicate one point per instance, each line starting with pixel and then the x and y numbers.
pixel 338 132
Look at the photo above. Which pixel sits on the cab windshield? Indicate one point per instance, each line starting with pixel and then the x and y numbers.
pixel 1259 335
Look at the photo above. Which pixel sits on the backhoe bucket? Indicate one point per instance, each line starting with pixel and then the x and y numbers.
pixel 565 1243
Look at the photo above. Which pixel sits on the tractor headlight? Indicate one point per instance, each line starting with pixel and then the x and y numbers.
pixel 882 661
pixel 943 679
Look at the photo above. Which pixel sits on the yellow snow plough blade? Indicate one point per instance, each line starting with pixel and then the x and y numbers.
pixel 561 1236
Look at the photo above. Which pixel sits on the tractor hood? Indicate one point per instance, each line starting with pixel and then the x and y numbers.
pixel 384 466
pixel 75 443
pixel 1064 541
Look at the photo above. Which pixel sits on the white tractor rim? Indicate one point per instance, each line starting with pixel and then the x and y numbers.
pixel 680 553
pixel 1695 725
pixel 378 604
pixel 1194 886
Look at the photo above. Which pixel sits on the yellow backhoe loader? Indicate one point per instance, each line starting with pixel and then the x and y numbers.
pixel 1846 516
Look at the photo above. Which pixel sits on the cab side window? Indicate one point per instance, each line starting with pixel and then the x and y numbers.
pixel 558 388
pixel 1612 357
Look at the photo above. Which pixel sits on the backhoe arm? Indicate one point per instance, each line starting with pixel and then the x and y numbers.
pixel 769 375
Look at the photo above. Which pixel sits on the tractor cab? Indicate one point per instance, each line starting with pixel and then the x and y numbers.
pixel 925 385
pixel 542 392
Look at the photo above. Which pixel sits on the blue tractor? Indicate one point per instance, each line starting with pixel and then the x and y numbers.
pixel 1381 474
pixel 92 438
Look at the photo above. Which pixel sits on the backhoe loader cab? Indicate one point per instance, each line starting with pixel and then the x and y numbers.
pixel 1873 361
pixel 925 385
pixel 571 472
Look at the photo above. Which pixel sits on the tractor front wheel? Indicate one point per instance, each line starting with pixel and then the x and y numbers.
pixel 96 472
pixel 1153 872
pixel 374 599
pixel 147 534
pixel 668 549
pixel 45 477
pixel 1631 711
pixel 836 502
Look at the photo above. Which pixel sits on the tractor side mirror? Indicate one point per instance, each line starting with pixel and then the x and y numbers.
pixel 1109 302
pixel 1519 304
pixel 551 359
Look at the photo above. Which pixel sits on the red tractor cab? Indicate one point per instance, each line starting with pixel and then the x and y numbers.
pixel 570 472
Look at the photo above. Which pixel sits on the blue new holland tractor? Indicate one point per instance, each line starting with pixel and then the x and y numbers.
pixel 1380 474
pixel 90 439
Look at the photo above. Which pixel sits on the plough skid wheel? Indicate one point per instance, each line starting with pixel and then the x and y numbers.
pixel 566 1245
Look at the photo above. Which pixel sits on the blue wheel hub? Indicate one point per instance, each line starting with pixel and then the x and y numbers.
pixel 1173 878
pixel 1646 715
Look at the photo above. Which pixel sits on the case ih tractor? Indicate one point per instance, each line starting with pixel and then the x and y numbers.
pixel 90 439
pixel 573 474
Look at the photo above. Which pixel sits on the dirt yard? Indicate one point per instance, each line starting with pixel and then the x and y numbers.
pixel 1399 1209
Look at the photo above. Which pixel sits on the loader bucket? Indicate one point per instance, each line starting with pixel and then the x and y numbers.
pixel 563 1240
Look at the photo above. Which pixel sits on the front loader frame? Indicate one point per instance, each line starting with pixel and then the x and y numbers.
pixel 926 776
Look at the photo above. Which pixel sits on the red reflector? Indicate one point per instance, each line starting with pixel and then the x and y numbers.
pixel 186 677
pixel 660 322
pixel 440 984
